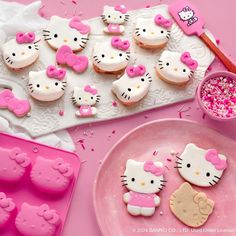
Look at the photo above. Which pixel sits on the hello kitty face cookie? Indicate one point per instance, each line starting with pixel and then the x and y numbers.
pixel 22 51
pixel 143 180
pixel 71 32
pixel 47 85
pixel 112 56
pixel 201 167
pixel 85 99
pixel 176 68
pixel 37 220
pixel 13 164
pixel 153 33
pixel 53 176
pixel 133 85
pixel 114 17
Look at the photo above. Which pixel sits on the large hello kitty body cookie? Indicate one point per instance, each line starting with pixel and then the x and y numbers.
pixel 143 180
pixel 201 167
pixel 21 51
pixel 190 207
pixel 70 32
pixel 111 56
pixel 133 85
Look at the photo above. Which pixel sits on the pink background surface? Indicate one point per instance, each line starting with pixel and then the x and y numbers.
pixel 94 141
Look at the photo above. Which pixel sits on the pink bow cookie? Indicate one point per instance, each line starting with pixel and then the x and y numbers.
pixel 49 215
pixel 121 8
pixel 149 166
pixel 6 203
pixel 76 23
pixel 90 89
pixel 19 157
pixel 17 106
pixel 25 37
pixel 162 21
pixel 64 168
pixel 123 45
pixel 188 61
pixel 54 73
pixel 213 157
pixel 66 56
pixel 134 71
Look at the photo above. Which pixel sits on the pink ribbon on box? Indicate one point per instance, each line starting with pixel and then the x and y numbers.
pixel 49 215
pixel 123 45
pixel 64 168
pixel 90 89
pixel 121 8
pixel 134 71
pixel 162 21
pixel 55 73
pixel 149 166
pixel 188 61
pixel 19 157
pixel 25 37
pixel 213 157
pixel 6 203
pixel 76 23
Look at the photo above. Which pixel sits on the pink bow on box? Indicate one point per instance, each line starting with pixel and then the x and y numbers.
pixel 17 106
pixel 6 203
pixel 90 89
pixel 188 61
pixel 64 168
pixel 66 56
pixel 54 73
pixel 19 157
pixel 121 8
pixel 123 45
pixel 49 215
pixel 213 157
pixel 149 166
pixel 162 21
pixel 134 71
pixel 76 23
pixel 25 37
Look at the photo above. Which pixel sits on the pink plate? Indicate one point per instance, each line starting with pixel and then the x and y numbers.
pixel 140 144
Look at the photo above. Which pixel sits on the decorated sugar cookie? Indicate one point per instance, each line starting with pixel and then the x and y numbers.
pixel 133 85
pixel 37 220
pixel 191 207
pixel 152 33
pixel 22 51
pixel 85 98
pixel 201 167
pixel 112 56
pixel 47 85
pixel 71 32
pixel 176 68
pixel 115 17
pixel 143 180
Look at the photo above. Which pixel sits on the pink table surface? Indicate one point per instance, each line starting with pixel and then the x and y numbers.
pixel 93 141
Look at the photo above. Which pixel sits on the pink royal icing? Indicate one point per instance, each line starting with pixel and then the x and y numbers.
pixel 25 37
pixel 76 23
pixel 188 61
pixel 213 157
pixel 162 21
pixel 90 89
pixel 66 56
pixel 149 166
pixel 85 110
pixel 141 199
pixel 134 71
pixel 121 8
pixel 123 45
pixel 114 28
pixel 55 73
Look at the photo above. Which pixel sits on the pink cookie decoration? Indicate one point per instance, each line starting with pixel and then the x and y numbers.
pixel 162 21
pixel 37 220
pixel 76 23
pixel 53 176
pixel 213 157
pixel 134 71
pixel 149 166
pixel 55 73
pixel 114 28
pixel 25 37
pixel 117 43
pixel 90 89
pixel 121 8
pixel 65 56
pixel 13 164
pixel 188 61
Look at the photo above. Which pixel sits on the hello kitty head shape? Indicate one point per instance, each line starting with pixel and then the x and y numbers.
pixel 6 203
pixel 186 13
pixel 144 177
pixel 201 167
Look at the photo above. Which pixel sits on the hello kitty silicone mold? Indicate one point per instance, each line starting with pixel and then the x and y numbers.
pixel 21 51
pixel 85 98
pixel 111 57
pixel 7 206
pixel 176 68
pixel 53 176
pixel 37 220
pixel 13 164
pixel 47 85
pixel 133 85
pixel 143 179
pixel 115 17
pixel 70 32
pixel 201 167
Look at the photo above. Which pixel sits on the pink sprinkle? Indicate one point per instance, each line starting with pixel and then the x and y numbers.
pixel 145 116
pixel 169 159
pixel 113 131
pixel 148 6
pixel 114 104
pixel 92 149
pixel 167 167
pixel 209 68
pixel 155 153
pixel 218 41
pixel 161 213
pixel 73 1
pixel 61 113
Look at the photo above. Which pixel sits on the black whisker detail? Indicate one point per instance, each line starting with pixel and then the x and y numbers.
pixel 160 61
pixel 161 68
pixel 11 62
pixel 216 177
pixel 129 98
pixel 95 56
pixel 147 74
pixel 124 180
pixel 179 158
pixel 138 34
pixel 37 41
pixel 210 183
pixel 160 189
pixel 123 176
pixel 178 167
pixel 63 89
pixel 83 42
pixel 46 35
pixel 122 94
pixel 98 62
pixel 126 96
pixel 46 31
pixel 162 180
pixel 178 163
pixel 214 181
pixel 81 46
pixel 127 59
pixel 150 81
pixel 162 185
pixel 47 39
pixel 36 49
pixel 7 58
pixel 85 38
pixel 124 184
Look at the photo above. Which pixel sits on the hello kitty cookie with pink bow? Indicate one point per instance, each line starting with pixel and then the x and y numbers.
pixel 47 85
pixel 176 68
pixel 201 167
pixel 143 180
pixel 111 57
pixel 70 32
pixel 21 51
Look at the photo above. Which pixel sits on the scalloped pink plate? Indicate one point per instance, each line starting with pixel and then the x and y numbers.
pixel 140 144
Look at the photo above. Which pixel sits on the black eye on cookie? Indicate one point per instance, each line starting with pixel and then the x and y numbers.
pixel 75 39
pixel 152 181
pixel 55 35
pixel 103 55
pixel 29 47
pixel 188 165
pixel 13 54
pixel 133 179
pixel 142 79
pixel 208 174
pixel 129 89
pixel 144 30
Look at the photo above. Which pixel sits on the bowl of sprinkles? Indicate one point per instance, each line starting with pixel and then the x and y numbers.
pixel 217 95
